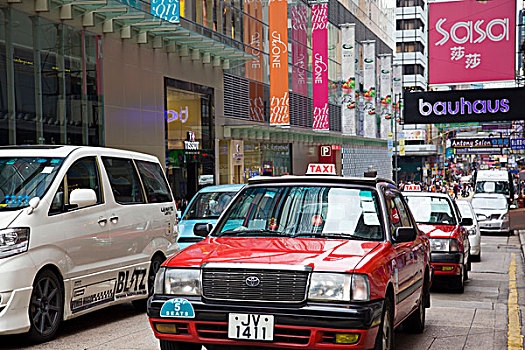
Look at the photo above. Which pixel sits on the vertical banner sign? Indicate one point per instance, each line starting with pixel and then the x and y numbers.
pixel 168 10
pixel 369 86
pixel 253 32
pixel 320 66
pixel 397 90
pixel 402 144
pixel 390 143
pixel 386 94
pixel 471 41
pixel 348 71
pixel 279 89
pixel 299 16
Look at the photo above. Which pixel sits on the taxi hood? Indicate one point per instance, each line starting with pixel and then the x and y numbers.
pixel 437 231
pixel 329 255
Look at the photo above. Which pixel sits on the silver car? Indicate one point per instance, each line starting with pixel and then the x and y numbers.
pixel 474 234
pixel 492 212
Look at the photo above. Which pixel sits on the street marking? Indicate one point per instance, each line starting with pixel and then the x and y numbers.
pixel 515 339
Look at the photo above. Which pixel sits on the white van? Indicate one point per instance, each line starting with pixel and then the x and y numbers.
pixel 81 228
pixel 494 181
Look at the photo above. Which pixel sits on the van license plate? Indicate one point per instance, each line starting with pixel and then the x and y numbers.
pixel 250 327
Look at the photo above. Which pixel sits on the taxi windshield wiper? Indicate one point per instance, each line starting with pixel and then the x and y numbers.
pixel 328 235
pixel 261 232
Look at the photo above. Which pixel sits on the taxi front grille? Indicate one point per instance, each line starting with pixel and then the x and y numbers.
pixel 273 286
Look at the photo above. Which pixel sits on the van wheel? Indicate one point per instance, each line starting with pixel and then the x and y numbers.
pixel 385 334
pixel 154 267
pixel 175 345
pixel 46 308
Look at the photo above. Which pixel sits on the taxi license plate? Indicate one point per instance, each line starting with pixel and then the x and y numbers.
pixel 250 327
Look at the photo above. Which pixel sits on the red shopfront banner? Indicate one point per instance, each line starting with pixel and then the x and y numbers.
pixel 320 66
pixel 279 89
pixel 471 41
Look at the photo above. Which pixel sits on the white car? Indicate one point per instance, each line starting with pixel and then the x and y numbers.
pixel 492 211
pixel 474 234
pixel 81 228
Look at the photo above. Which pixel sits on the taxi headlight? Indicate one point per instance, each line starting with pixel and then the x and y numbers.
pixel 444 245
pixel 13 241
pixel 338 287
pixel 158 287
pixel 182 282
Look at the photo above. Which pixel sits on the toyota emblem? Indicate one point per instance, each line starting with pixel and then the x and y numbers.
pixel 252 281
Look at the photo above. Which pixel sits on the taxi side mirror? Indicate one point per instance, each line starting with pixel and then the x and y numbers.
pixel 467 222
pixel 405 234
pixel 202 230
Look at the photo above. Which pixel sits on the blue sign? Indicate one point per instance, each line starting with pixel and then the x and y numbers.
pixel 178 307
pixel 168 10
pixel 390 145
pixel 517 143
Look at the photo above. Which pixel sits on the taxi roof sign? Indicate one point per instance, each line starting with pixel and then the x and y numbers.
pixel 412 188
pixel 321 169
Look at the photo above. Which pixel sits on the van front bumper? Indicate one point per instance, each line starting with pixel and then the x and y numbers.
pixel 311 325
pixel 14 317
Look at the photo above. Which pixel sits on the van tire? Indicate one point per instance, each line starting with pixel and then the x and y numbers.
pixel 154 267
pixel 46 307
pixel 175 345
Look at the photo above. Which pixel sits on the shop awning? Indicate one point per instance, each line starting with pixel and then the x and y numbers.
pixel 261 132
pixel 132 20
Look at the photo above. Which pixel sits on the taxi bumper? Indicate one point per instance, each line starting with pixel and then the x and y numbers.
pixel 312 325
pixel 446 264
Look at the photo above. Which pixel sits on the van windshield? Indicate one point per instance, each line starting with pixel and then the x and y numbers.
pixel 24 178
pixel 492 187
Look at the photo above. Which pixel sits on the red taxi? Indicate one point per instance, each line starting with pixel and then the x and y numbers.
pixel 438 216
pixel 298 263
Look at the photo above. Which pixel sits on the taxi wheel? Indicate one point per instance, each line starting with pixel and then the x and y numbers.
pixel 156 261
pixel 46 307
pixel 385 334
pixel 175 345
pixel 415 323
pixel 476 258
pixel 460 281
pixel 466 270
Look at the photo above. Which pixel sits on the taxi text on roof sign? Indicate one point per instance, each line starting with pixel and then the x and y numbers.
pixel 321 169
pixel 412 188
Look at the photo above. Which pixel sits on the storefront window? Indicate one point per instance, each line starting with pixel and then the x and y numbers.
pixel 266 159
pixel 189 138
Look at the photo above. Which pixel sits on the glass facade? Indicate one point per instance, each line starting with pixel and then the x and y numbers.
pixel 190 160
pixel 50 82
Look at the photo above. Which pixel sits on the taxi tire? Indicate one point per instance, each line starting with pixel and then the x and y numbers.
pixel 46 306
pixel 476 258
pixel 388 317
pixel 459 281
pixel 156 261
pixel 176 345
pixel 415 323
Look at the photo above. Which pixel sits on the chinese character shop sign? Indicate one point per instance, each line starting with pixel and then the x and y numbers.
pixel 320 66
pixel 471 41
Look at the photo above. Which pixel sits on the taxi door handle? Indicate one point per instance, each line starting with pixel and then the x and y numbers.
pixel 102 221
pixel 113 219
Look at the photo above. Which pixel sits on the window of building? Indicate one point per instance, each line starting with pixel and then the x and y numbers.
pixel 410 3
pixel 410 69
pixel 410 46
pixel 405 24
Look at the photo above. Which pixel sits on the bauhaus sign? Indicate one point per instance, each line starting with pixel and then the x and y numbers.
pixel 461 106
pixel 471 41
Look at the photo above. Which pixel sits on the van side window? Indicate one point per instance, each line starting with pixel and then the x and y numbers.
pixel 83 174
pixel 124 180
pixel 155 184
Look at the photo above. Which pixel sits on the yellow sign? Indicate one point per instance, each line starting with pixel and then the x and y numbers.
pixel 402 147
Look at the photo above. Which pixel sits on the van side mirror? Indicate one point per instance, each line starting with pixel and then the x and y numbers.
pixel 405 234
pixel 202 230
pixel 83 197
pixel 467 222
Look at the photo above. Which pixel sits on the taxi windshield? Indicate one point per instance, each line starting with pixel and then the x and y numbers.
pixel 304 211
pixel 431 210
pixel 208 205
pixel 24 178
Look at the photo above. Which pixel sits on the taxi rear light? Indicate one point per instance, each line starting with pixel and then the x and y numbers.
pixel 167 328
pixel 346 338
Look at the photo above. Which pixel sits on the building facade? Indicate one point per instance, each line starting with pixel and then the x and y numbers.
pixel 193 90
